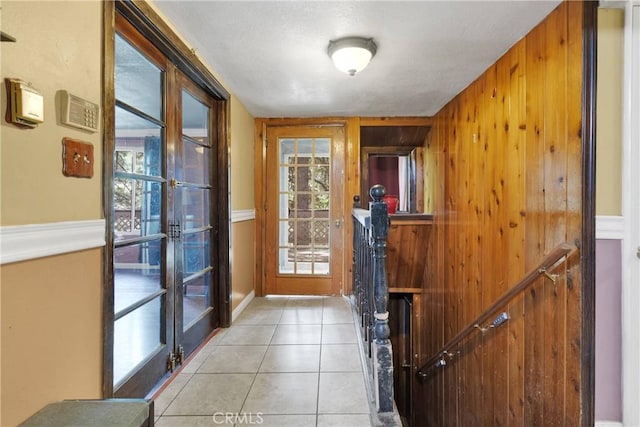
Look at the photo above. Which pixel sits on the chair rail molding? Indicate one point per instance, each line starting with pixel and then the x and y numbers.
pixel 609 227
pixel 243 215
pixel 31 241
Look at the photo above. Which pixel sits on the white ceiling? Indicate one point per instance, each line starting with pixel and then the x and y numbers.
pixel 273 54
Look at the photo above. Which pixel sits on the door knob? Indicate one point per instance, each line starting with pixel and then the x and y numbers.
pixel 338 223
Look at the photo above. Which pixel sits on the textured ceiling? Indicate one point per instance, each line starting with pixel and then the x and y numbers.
pixel 273 54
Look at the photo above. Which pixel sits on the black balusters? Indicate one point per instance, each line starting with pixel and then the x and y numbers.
pixel 371 294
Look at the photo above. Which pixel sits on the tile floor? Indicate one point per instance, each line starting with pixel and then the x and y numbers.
pixel 286 361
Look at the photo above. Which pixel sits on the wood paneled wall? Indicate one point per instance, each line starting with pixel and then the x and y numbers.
pixel 505 160
pixel 405 251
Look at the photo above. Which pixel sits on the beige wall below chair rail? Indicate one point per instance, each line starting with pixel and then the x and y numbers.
pixel 51 332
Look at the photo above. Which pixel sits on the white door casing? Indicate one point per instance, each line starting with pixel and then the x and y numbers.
pixel 631 213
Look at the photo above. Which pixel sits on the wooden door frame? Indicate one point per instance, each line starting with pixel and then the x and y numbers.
pixel 261 126
pixel 150 24
pixel 588 249
pixel 352 172
pixel 313 284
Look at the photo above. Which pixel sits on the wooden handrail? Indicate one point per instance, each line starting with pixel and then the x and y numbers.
pixel 438 359
pixel 363 216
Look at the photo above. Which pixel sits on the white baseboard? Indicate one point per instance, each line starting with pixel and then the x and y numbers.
pixel 608 424
pixel 240 308
pixel 25 242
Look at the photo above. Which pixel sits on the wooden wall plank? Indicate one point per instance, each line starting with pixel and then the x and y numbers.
pixel 452 226
pixel 515 191
pixel 534 226
pixel 555 174
pixel 443 271
pixel 440 270
pixel 508 149
pixel 473 297
pixel 405 252
pixel 260 158
pixel 463 266
pixel 352 177
pixel 495 344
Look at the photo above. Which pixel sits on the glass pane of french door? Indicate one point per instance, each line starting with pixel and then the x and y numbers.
pixel 194 205
pixel 140 295
pixel 304 206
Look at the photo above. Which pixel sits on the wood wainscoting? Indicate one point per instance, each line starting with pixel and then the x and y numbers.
pixel 511 154
pixel 408 235
pixel 406 263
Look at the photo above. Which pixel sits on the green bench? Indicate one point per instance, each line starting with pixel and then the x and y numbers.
pixel 94 413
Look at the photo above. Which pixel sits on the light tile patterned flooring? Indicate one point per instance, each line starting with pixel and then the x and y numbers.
pixel 286 361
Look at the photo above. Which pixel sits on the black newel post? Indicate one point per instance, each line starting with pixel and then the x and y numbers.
pixel 357 259
pixel 382 347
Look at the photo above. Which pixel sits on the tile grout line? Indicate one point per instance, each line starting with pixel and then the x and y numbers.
pixel 320 363
pixel 179 372
pixel 270 345
pixel 244 402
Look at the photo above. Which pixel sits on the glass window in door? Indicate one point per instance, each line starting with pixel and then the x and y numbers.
pixel 139 293
pixel 194 203
pixel 304 206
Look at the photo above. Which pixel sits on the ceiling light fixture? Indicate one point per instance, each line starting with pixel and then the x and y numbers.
pixel 352 54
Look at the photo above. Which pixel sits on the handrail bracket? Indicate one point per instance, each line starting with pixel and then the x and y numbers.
pixel 552 277
pixel 502 317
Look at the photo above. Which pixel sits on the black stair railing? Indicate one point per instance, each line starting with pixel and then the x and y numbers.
pixel 371 295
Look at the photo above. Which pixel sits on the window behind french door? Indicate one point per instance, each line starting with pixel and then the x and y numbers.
pixel 165 255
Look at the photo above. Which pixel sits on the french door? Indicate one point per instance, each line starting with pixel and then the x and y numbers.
pixel 165 254
pixel 194 196
pixel 305 213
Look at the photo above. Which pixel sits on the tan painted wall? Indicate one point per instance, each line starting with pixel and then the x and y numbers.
pixel 51 332
pixel 242 198
pixel 242 170
pixel 64 53
pixel 50 308
pixel 242 264
pixel 609 109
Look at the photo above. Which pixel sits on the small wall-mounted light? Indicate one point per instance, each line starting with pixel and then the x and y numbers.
pixel 352 54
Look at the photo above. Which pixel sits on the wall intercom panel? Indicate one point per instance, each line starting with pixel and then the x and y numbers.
pixel 78 112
